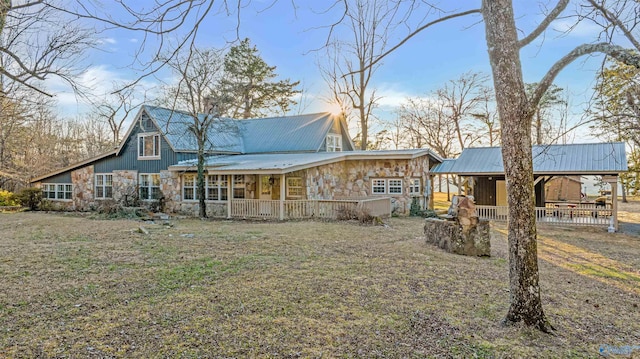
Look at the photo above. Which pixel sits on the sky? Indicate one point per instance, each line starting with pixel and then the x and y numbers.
pixel 288 38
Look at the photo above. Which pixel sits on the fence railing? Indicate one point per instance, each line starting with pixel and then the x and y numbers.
pixel 580 215
pixel 299 209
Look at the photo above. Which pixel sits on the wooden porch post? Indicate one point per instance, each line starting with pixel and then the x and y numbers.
pixel 283 194
pixel 613 182
pixel 229 196
pixel 614 202
pixel 431 192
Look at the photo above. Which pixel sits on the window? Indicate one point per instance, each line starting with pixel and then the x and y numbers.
pixel 395 186
pixel 378 186
pixel 189 192
pixel 149 186
pixel 62 191
pixel 334 143
pixel 294 187
pixel 104 186
pixel 238 186
pixel 414 186
pixel 216 187
pixel 148 146
pixel 386 186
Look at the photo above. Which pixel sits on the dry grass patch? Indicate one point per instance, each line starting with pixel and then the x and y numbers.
pixel 95 288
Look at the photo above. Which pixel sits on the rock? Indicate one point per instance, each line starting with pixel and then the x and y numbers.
pixel 453 237
pixel 142 230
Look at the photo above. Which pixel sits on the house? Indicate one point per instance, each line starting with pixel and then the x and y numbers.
pixel 482 173
pixel 254 168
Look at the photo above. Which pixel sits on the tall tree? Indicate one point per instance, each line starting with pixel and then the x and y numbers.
pixel 461 98
pixel 249 84
pixel 616 114
pixel 362 38
pixel 516 111
pixel 543 127
pixel 199 73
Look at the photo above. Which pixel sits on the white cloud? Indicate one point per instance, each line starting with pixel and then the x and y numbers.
pixel 133 40
pixel 107 40
pixel 391 96
pixel 569 27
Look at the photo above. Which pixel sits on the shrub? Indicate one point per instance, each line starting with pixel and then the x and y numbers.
pixel 7 198
pixel 30 197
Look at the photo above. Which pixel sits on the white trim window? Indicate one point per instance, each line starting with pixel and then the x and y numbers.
pixel 104 186
pixel 57 191
pixel 391 186
pixel 148 146
pixel 189 187
pixel 378 186
pixel 238 186
pixel 414 186
pixel 149 185
pixel 294 187
pixel 394 186
pixel 217 187
pixel 334 143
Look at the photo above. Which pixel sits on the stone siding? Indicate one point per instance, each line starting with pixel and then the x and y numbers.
pixel 353 179
pixel 192 208
pixel 83 197
pixel 125 185
pixel 171 188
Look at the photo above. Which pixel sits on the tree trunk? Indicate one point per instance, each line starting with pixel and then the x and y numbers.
pixel 200 184
pixel 515 120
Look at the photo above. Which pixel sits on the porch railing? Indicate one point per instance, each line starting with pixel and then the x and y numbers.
pixel 299 209
pixel 580 215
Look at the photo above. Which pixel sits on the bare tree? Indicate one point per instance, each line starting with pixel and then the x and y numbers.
pixel 367 24
pixel 461 98
pixel 516 110
pixel 200 72
pixel 116 107
pixel 487 115
pixel 45 38
pixel 552 104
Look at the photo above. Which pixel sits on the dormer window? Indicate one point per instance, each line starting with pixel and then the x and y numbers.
pixel 148 146
pixel 334 143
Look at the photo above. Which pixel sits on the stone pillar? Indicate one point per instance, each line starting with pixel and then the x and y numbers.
pixel 82 180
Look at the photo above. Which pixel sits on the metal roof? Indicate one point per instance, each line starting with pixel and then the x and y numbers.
pixel 261 135
pixel 586 158
pixel 289 162
pixel 290 134
pixel 222 135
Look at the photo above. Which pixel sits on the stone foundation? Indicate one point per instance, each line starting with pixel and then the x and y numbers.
pixel 473 240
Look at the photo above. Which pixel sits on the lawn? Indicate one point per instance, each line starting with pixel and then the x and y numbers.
pixel 79 287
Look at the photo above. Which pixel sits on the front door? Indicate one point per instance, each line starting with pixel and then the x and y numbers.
pixel 264 194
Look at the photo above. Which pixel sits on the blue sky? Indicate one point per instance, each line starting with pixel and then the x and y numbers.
pixel 287 39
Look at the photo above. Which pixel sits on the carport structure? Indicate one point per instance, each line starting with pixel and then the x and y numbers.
pixel 481 174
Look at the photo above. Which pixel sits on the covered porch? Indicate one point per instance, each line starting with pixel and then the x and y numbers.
pixel 481 174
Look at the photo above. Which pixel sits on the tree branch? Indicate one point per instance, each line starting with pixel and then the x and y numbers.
pixel 618 52
pixel 560 6
pixel 617 22
pixel 415 32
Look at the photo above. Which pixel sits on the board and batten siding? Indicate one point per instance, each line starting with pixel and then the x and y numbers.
pixel 64 177
pixel 128 158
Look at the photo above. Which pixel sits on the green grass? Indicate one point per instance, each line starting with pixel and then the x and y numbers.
pixel 77 287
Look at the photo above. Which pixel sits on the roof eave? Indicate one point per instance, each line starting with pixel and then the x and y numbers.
pixel 73 166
